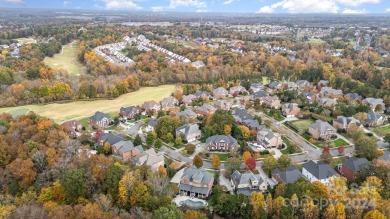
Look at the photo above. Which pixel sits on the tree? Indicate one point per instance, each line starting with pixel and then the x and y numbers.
pixel 245 156
pixel 23 171
pixel 162 171
pixel 178 142
pixel 137 140
pixel 362 116
pixel 216 161
pixel 366 147
pixel 245 131
pixel 151 137
pixel 251 164
pixel 198 161
pixel 256 199
pixel 341 150
pixel 387 138
pixel 269 164
pixel 277 205
pixel 268 203
pixel 327 157
pixel 340 211
pixel 326 149
pixel 329 212
pixel 192 214
pixel 73 184
pixel 309 209
pixel 231 165
pixel 374 214
pixel 227 129
pixel 158 143
pixel 190 148
pixel 168 212
pixel 165 128
pixel 284 161
pixel 106 148
pixel 110 184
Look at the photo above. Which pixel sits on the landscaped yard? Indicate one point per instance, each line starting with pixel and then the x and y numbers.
pixel 67 59
pixel 265 80
pixel 290 149
pixel 223 157
pixel 340 142
pixel 81 109
pixel 382 131
pixel 303 124
pixel 331 144
pixel 26 40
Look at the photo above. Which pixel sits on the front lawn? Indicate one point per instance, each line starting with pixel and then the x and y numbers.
pixel 340 142
pixel 382 131
pixel 290 148
pixel 223 157
pixel 331 144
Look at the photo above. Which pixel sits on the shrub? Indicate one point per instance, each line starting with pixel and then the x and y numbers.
pixel 190 148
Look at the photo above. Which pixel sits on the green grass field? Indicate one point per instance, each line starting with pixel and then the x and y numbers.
pixel 340 142
pixel 265 80
pixel 382 131
pixel 81 109
pixel 315 41
pixel 187 44
pixel 222 157
pixel 302 124
pixel 26 40
pixel 67 59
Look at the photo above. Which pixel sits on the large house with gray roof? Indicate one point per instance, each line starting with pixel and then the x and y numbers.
pixel 125 150
pixel 220 93
pixel 374 119
pixel 196 182
pixel 269 139
pixel 203 95
pixel 343 123
pixel 189 132
pixel 321 129
pixel 330 92
pixel 188 99
pixel 352 167
pixel 100 119
pixel 169 103
pixel 222 104
pixel 205 109
pixel 290 175
pixel 149 158
pixel 353 96
pixel 248 182
pixel 256 87
pixel 187 114
pixel 221 143
pixel 237 90
pixel 109 138
pixel 240 115
pixel 129 112
pixel 319 171
pixel 374 103
pixel 290 109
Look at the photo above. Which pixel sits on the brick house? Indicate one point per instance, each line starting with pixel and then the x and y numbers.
pixel 352 166
pixel 196 182
pixel 221 143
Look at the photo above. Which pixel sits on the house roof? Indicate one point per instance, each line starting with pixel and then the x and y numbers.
pixel 356 164
pixel 124 146
pixel 188 129
pixel 245 178
pixel 222 103
pixel 192 173
pixel 320 170
pixel 385 156
pixel 259 94
pixel 127 110
pixel 373 116
pixel 347 120
pixel 374 101
pixel 274 84
pixel 290 175
pixel 242 114
pixel 251 123
pixel 152 123
pixel 186 113
pixel 169 101
pixel 322 126
pixel 220 90
pixel 188 98
pixel 207 108
pixel 149 104
pixel 221 138
pixel 257 86
pixel 111 138
pixel 152 157
pixel 99 116
pixel 200 93
pixel 353 96
pixel 302 82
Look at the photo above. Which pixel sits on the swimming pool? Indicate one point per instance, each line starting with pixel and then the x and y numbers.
pixel 256 146
pixel 193 203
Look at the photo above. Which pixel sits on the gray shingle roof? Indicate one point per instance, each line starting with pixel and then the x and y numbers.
pixel 356 164
pixel 186 113
pixel 193 173
pixel 259 94
pixel 99 116
pixel 373 116
pixel 322 126
pixel 188 129
pixel 111 138
pixel 320 170
pixel 385 156
pixel 245 178
pixel 200 93
pixel 124 146
pixel 218 138
pixel 242 114
pixel 127 110
pixel 290 175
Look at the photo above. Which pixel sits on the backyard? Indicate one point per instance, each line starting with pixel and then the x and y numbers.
pixel 382 131
pixel 302 125
pixel 67 59
pixel 61 112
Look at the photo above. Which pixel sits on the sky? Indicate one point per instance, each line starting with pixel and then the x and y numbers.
pixel 248 6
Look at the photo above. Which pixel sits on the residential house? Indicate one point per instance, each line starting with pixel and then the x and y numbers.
pixel 385 156
pixel 319 171
pixel 129 112
pixel 374 119
pixel 353 96
pixel 151 125
pixel 330 92
pixel 237 90
pixel 252 124
pixel 323 83
pixel 198 64
pixel 196 182
pixel 189 132
pixel 310 97
pixel 374 103
pixel 302 84
pixel 256 87
pixel 221 143
pixel 151 107
pixel 204 95
pixel 187 114
pixel 290 109
pixel 100 119
pixel 205 110
pixel 329 103
pixel 222 104
pixel 188 99
pixel 149 158
pixel 73 128
pixel 343 123
pixel 125 150
pixel 274 85
pixel 290 85
pixel 220 93
pixel 240 115
pixel 259 95
pixel 269 139
pixel 290 175
pixel 248 182
pixel 109 138
pixel 352 167
pixel 272 102
pixel 169 103
pixel 321 129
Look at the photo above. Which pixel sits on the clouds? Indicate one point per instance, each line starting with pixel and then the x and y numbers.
pixel 316 6
pixel 187 3
pixel 387 10
pixel 228 2
pixel 12 1
pixel 121 4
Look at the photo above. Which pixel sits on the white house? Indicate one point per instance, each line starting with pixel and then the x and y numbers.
pixel 319 171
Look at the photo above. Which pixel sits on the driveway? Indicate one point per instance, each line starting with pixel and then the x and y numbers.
pixel 225 182
pixel 271 182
